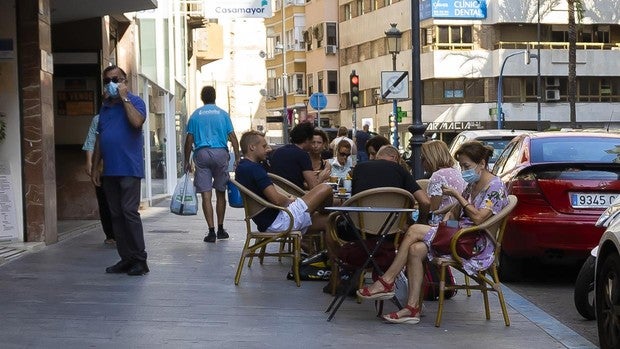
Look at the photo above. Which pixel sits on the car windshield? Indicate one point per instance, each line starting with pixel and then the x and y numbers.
pixel 498 146
pixel 576 149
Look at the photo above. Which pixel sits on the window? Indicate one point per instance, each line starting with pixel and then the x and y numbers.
pixel 374 4
pixel 310 84
pixel 298 83
pixel 360 7
pixel 272 85
pixel 452 35
pixel 387 2
pixel 453 91
pixel 347 12
pixel 332 82
pixel 319 77
pixel 332 36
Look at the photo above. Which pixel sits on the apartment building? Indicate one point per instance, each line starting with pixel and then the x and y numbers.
pixel 464 46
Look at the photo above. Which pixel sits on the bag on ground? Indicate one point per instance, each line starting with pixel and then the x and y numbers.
pixel 184 200
pixel 313 269
pixel 431 282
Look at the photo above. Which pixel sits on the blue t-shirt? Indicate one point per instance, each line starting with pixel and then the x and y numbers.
pixel 210 126
pixel 121 145
pixel 254 177
pixel 289 162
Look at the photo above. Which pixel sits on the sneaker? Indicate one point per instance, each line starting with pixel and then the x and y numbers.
pixel 222 234
pixel 210 237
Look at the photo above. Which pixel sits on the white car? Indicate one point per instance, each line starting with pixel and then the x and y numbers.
pixel 607 279
pixel 498 139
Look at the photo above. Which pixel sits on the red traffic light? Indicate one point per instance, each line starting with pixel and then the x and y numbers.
pixel 355 80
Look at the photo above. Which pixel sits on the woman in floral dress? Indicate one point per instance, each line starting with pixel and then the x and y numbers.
pixel 484 196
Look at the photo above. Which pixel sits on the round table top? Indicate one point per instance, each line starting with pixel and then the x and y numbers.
pixel 368 209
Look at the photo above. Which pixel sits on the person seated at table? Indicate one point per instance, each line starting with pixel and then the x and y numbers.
pixel 386 171
pixel 484 196
pixel 341 163
pixel 292 161
pixel 343 133
pixel 253 176
pixel 437 161
pixel 374 144
pixel 321 167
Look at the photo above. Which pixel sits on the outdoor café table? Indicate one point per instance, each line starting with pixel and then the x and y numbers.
pixel 390 219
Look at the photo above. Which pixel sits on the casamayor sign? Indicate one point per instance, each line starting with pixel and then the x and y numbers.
pixel 237 8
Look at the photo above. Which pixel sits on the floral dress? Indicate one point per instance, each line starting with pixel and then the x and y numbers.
pixel 493 197
pixel 449 177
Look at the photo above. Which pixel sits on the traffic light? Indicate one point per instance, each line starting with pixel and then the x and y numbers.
pixel 354 81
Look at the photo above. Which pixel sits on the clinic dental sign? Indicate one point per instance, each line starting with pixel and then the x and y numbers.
pixel 237 9
pixel 459 9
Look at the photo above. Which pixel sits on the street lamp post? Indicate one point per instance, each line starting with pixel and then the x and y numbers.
pixel 417 129
pixel 500 90
pixel 538 79
pixel 284 79
pixel 394 37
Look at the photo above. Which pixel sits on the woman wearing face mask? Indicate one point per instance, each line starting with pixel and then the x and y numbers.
pixel 484 196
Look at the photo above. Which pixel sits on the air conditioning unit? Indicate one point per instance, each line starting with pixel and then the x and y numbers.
pixel 551 81
pixel 330 49
pixel 552 95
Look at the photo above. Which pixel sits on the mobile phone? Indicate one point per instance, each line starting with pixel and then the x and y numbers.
pixel 452 223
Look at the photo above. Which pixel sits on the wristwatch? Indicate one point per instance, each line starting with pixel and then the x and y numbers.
pixel 126 100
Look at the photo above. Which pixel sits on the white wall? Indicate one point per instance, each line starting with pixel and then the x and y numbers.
pixel 10 149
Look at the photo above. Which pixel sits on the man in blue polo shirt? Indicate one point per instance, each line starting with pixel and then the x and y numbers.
pixel 208 132
pixel 119 144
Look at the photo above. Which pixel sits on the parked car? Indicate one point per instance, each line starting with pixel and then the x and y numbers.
pixel 498 139
pixel 564 181
pixel 607 279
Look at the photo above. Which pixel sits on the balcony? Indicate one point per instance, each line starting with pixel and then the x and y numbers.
pixel 208 46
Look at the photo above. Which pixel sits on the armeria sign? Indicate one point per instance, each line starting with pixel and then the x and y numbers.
pixel 460 9
pixel 237 9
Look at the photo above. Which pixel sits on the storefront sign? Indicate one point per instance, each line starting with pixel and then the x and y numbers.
pixel 237 9
pixel 455 126
pixel 460 9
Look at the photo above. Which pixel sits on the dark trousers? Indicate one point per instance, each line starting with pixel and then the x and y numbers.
pixel 104 213
pixel 123 194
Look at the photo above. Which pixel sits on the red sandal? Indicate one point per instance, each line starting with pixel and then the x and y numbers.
pixel 387 293
pixel 413 318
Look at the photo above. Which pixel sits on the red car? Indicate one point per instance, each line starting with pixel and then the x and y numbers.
pixel 564 181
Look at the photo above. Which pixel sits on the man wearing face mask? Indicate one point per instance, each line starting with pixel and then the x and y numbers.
pixel 119 144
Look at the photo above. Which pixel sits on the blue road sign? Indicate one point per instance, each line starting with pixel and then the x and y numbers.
pixel 318 101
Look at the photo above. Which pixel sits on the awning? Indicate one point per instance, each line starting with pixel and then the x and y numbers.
pixel 74 10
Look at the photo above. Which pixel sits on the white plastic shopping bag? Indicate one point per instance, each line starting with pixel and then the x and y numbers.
pixel 184 200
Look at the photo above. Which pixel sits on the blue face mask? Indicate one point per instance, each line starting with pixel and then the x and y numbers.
pixel 112 89
pixel 470 176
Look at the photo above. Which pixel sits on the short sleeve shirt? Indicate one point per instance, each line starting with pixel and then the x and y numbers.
pixel 121 144
pixel 89 142
pixel 254 177
pixel 381 173
pixel 210 126
pixel 449 177
pixel 290 161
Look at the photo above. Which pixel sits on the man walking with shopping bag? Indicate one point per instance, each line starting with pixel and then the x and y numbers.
pixel 208 132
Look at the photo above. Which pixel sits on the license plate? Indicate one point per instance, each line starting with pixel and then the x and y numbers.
pixel 591 200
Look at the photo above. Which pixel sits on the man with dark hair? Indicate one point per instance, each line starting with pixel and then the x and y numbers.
pixel 119 144
pixel 361 137
pixel 208 132
pixel 292 161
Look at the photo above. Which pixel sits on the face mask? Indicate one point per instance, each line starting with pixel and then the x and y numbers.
pixel 470 176
pixel 112 89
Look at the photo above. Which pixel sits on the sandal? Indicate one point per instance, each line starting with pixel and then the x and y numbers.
pixel 412 318
pixel 387 293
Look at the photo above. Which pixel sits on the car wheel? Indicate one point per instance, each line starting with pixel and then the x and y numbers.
pixel 584 289
pixel 510 268
pixel 608 302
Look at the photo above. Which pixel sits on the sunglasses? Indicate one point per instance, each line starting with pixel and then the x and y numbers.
pixel 344 154
pixel 114 79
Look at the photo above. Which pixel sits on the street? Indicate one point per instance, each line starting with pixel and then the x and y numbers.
pixel 550 287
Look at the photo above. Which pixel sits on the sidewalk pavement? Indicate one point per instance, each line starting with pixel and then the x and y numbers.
pixel 61 297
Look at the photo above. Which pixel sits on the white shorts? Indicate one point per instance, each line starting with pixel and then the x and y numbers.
pixel 301 218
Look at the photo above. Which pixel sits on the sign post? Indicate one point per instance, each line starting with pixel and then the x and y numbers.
pixel 318 101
